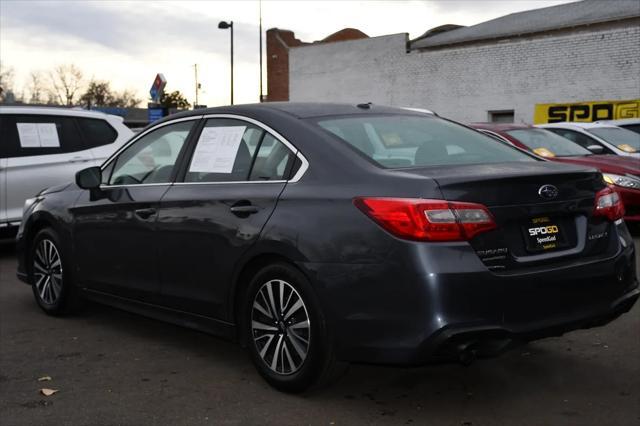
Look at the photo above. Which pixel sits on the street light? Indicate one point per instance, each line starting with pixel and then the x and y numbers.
pixel 223 25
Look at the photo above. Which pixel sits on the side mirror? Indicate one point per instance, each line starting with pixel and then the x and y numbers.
pixel 596 149
pixel 90 178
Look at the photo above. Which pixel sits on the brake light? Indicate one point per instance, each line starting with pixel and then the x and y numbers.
pixel 427 220
pixel 608 204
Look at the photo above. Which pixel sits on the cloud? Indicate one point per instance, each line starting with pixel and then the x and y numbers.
pixel 126 28
pixel 127 42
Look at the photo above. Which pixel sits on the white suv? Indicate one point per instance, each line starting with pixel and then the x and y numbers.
pixel 41 147
pixel 600 138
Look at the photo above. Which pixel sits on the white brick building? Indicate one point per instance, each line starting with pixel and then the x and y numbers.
pixel 500 69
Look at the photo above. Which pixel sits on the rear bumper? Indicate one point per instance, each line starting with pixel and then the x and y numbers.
pixel 398 313
pixel 453 343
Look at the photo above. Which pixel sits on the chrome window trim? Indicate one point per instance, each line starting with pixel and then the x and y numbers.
pixel 230 181
pixel 135 185
pixel 301 171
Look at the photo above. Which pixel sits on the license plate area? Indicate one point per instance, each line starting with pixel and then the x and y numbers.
pixel 545 234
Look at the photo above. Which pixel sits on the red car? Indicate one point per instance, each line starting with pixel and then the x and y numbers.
pixel 622 173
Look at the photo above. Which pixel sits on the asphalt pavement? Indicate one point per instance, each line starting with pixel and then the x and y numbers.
pixel 116 368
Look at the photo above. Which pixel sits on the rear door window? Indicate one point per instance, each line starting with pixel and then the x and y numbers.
pixel 96 132
pixel 230 150
pixel 224 151
pixel 26 135
pixel 396 141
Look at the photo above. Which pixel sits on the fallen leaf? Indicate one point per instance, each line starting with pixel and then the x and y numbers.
pixel 44 378
pixel 48 392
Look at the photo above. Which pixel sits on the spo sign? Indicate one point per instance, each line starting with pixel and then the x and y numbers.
pixel 157 87
pixel 586 111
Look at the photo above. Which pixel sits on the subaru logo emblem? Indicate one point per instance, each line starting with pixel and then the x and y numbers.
pixel 548 192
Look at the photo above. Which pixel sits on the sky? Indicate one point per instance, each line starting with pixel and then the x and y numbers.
pixel 128 42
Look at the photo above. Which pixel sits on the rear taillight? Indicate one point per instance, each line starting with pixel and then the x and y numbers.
pixel 427 220
pixel 608 204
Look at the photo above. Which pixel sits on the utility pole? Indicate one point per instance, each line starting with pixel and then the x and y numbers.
pixel 195 67
pixel 260 29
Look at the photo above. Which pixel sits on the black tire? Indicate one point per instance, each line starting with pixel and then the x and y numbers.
pixel 319 366
pixel 51 279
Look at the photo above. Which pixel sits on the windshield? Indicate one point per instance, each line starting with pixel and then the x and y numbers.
pixel 548 144
pixel 624 139
pixel 396 141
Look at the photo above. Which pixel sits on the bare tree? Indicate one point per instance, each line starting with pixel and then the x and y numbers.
pixel 66 82
pixel 6 82
pixel 36 87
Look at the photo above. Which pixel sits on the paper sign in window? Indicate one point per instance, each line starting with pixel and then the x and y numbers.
pixel 38 135
pixel 28 135
pixel 48 134
pixel 217 149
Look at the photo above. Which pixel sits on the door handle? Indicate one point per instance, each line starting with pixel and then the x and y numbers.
pixel 145 213
pixel 244 209
pixel 79 160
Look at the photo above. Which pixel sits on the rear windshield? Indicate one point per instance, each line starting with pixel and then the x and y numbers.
pixel 396 141
pixel 624 139
pixel 548 144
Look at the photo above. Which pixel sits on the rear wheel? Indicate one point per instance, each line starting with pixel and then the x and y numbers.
pixel 49 276
pixel 287 333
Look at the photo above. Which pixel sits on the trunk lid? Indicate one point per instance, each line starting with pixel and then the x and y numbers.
pixel 534 228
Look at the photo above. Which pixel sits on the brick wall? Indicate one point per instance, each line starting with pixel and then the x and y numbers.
pixel 279 42
pixel 599 62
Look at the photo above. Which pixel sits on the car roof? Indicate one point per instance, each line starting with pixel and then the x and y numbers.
pixel 299 110
pixel 499 127
pixel 581 125
pixel 74 112
pixel 620 122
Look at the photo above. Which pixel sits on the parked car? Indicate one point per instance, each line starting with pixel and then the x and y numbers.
pixel 632 124
pixel 42 147
pixel 313 252
pixel 599 138
pixel 621 172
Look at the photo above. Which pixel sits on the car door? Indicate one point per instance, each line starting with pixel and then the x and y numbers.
pixel 231 183
pixel 46 150
pixel 114 228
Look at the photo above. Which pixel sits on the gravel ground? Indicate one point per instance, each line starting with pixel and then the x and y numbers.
pixel 115 368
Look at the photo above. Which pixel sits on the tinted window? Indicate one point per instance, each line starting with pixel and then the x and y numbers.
pixel 224 151
pixel 273 161
pixel 151 159
pixel 97 132
pixel 582 140
pixel 547 144
pixel 405 141
pixel 63 136
pixel 633 127
pixel 624 139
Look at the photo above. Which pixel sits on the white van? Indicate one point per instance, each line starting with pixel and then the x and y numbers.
pixel 45 146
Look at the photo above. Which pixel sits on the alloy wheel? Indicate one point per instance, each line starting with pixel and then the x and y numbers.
pixel 47 271
pixel 280 327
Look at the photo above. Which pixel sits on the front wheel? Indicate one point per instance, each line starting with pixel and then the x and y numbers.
pixel 49 276
pixel 288 338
